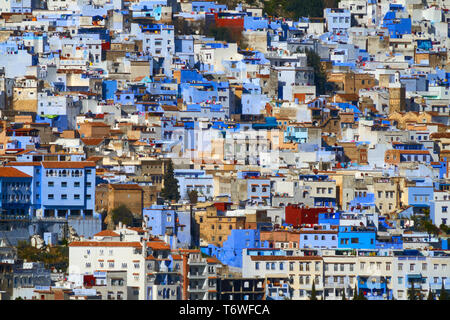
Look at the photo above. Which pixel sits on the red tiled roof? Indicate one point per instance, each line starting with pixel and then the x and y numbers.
pixel 212 260
pixel 107 233
pixel 137 229
pixel 7 172
pixel 92 141
pixel 68 164
pixel 95 124
pixel 104 244
pixel 157 245
pixel 14 163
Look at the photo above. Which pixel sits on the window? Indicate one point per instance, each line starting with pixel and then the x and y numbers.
pixel 424 266
pixel 51 196
pixel 76 184
pixel 51 183
pixel 400 266
pixel 400 280
pixel 76 196
pixel 64 196
pixel 411 267
pixel 64 184
pixel 256 265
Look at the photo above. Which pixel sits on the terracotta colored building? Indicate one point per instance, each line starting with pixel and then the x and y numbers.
pixel 93 129
pixel 298 216
pixel 215 229
pixel 108 197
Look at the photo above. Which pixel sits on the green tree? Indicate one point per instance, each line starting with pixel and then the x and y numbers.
pixel 361 295
pixel 430 295
pixel 343 295
pixel 170 189
pixel 57 256
pixel 313 292
pixel 412 294
pixel 122 214
pixel 355 293
pixel 193 197
pixel 294 9
pixel 443 295
pixel 320 75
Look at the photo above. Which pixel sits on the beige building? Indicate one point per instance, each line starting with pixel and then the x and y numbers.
pixel 25 94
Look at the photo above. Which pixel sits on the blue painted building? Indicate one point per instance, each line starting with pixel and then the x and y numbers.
pixel 15 196
pixel 338 20
pixel 351 237
pixel 61 188
pixel 318 239
pixel 165 221
pixel 329 218
pixel 192 179
pixel 231 251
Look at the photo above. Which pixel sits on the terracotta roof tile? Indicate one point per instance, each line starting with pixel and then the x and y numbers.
pixel 7 172
pixel 156 245
pixel 68 164
pixel 107 233
pixel 19 164
pixel 104 244
pixel 92 141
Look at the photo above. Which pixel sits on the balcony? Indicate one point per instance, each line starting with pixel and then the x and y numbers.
pixel 438 284
pixel 339 284
pixel 197 275
pixel 196 263
pixel 196 289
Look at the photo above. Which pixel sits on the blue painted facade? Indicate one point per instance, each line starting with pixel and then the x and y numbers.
pixel 15 197
pixel 109 88
pixel 328 218
pixel 350 237
pixel 61 191
pixel 162 220
pixel 338 20
pixel 318 239
pixel 231 251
